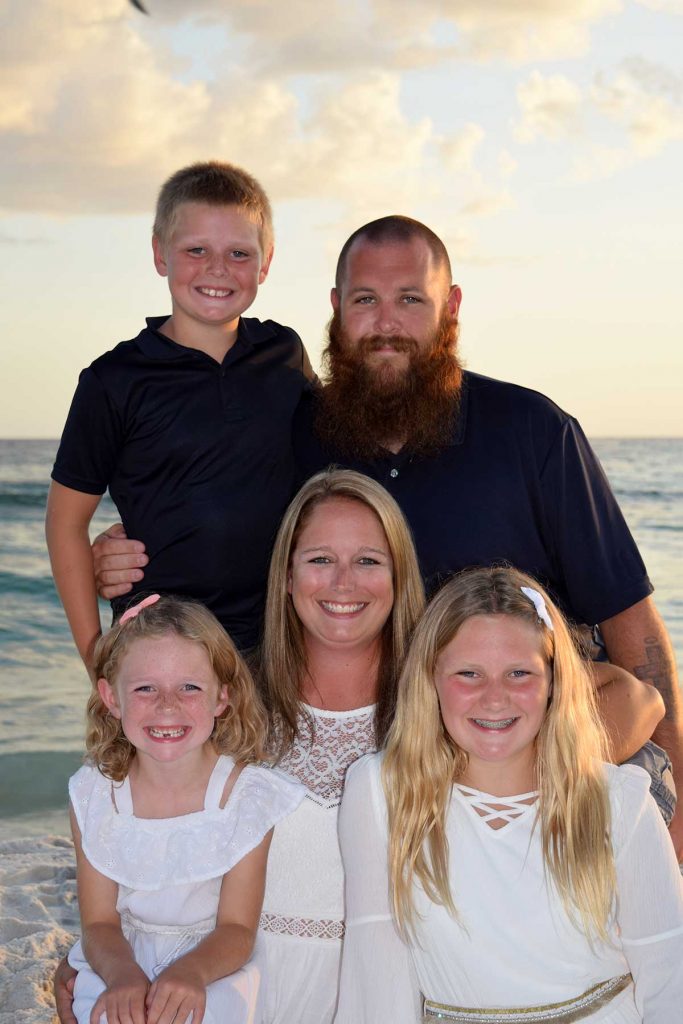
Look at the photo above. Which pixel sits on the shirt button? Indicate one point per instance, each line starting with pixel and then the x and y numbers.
pixel 394 473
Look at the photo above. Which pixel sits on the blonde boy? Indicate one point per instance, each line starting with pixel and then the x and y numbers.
pixel 188 424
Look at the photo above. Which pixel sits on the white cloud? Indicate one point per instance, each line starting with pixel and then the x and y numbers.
pixel 486 202
pixel 457 152
pixel 600 162
pixel 550 107
pixel 649 118
pixel 634 112
pixel 667 6
pixel 507 165
pixel 516 30
pixel 97 132
pixel 307 36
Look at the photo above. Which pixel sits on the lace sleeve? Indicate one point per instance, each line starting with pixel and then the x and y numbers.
pixel 378 983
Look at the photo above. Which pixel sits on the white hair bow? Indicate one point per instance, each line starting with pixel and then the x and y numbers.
pixel 539 604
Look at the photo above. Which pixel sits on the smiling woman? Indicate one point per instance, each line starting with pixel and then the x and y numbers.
pixel 344 594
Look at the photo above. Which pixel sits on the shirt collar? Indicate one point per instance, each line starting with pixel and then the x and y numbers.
pixel 155 345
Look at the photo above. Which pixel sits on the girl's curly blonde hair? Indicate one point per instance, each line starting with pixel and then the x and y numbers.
pixel 240 730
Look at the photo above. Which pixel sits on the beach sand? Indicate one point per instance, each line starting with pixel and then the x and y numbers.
pixel 38 924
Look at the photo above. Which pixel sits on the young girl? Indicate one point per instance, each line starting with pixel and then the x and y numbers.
pixel 171 829
pixel 505 872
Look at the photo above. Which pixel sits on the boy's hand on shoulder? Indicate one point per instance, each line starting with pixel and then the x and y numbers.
pixel 124 1000
pixel 117 562
pixel 178 992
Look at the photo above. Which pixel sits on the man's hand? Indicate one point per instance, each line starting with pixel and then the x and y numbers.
pixel 63 984
pixel 117 562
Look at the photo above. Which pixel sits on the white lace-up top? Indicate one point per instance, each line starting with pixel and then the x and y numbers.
pixel 513 943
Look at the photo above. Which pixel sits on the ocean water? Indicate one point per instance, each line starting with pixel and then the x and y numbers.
pixel 43 686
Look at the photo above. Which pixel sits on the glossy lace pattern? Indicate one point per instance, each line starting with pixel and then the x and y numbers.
pixel 328 742
pixel 302 927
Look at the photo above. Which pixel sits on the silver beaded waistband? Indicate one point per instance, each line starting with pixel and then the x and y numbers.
pixel 558 1013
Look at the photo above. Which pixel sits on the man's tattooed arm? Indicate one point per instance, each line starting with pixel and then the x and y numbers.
pixel 637 640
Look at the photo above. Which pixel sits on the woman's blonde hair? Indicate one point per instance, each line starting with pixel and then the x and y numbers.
pixel 422 761
pixel 283 653
pixel 239 730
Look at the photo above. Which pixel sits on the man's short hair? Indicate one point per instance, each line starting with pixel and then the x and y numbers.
pixel 218 184
pixel 394 228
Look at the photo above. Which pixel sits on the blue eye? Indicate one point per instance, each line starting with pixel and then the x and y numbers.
pixel 197 250
pixel 320 560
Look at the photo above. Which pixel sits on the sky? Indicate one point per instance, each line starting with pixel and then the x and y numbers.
pixel 541 139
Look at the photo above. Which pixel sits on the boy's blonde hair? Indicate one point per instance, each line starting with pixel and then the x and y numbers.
pixel 422 761
pixel 239 730
pixel 218 184
pixel 283 655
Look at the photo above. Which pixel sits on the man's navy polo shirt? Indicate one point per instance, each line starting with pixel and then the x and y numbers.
pixel 517 482
pixel 197 456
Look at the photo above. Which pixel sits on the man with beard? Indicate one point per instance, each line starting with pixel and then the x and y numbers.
pixel 485 471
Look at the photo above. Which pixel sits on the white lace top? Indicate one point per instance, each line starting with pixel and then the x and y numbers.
pixel 513 944
pixel 303 910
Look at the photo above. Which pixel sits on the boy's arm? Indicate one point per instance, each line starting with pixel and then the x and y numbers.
pixel 630 710
pixel 66 527
pixel 182 986
pixel 104 944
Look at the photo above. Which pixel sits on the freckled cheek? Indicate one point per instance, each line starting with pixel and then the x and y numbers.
pixel 454 700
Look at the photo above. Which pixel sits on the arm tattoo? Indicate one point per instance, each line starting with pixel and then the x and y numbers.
pixel 657 670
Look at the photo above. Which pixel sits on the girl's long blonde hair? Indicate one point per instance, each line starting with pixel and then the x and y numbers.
pixel 283 663
pixel 240 730
pixel 422 761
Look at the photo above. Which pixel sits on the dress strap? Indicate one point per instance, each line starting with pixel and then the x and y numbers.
pixel 219 776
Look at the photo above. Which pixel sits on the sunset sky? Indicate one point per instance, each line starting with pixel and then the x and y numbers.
pixel 542 139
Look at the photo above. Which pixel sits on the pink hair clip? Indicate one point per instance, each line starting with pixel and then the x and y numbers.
pixel 130 613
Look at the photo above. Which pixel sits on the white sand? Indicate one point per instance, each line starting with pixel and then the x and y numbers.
pixel 38 924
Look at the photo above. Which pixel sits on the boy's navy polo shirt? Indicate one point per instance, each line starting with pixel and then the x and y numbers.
pixel 517 482
pixel 197 456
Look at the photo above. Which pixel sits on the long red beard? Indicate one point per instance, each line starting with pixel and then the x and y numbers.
pixel 364 409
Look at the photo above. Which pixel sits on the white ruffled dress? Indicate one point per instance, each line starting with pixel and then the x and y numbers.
pixel 169 872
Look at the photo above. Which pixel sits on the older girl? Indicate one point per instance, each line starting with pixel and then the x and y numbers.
pixel 497 869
